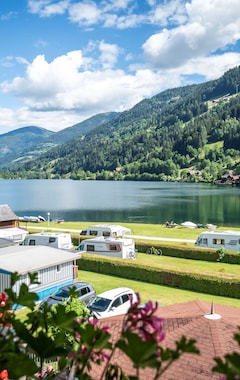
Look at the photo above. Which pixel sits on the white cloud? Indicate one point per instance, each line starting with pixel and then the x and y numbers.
pixel 109 54
pixel 211 67
pixel 84 13
pixel 172 11
pixel 50 90
pixel 73 86
pixel 211 26
pixel 46 8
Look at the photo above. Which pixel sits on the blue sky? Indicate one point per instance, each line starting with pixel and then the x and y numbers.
pixel 63 61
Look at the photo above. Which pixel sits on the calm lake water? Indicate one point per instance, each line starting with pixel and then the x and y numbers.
pixel 115 201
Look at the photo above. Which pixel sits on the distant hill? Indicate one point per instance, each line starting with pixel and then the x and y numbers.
pixel 82 128
pixel 27 143
pixel 189 133
pixel 20 141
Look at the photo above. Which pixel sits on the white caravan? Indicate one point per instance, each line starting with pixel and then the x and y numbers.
pixel 219 239
pixel 51 239
pixel 9 236
pixel 106 230
pixel 114 247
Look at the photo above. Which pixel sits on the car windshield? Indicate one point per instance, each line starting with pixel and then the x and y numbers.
pixel 100 304
pixel 60 294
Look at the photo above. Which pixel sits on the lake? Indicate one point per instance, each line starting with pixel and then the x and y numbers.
pixel 123 201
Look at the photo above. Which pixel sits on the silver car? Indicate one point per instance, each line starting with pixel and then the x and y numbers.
pixel 85 293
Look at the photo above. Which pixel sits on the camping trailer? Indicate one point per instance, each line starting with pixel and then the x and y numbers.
pixel 219 239
pixel 9 236
pixel 113 247
pixel 106 230
pixel 51 239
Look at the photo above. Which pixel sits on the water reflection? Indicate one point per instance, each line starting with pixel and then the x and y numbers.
pixel 112 201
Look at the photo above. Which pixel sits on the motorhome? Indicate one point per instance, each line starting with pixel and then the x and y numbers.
pixel 219 239
pixel 51 239
pixel 114 247
pixel 106 230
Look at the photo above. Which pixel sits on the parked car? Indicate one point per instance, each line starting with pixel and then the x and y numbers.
pixel 112 302
pixel 86 293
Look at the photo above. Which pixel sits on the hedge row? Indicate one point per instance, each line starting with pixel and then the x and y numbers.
pixel 194 253
pixel 202 254
pixel 131 270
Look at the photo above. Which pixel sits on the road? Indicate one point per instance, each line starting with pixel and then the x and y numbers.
pixel 129 236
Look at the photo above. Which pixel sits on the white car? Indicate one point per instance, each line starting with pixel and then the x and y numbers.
pixel 112 302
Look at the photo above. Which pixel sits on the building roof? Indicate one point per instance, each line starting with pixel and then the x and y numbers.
pixel 24 259
pixel 6 214
pixel 214 339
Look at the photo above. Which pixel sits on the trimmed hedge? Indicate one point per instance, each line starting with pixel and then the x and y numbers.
pixel 131 270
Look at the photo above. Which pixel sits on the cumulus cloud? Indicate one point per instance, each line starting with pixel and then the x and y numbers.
pixel 109 54
pixel 210 26
pixel 46 8
pixel 85 13
pixel 179 39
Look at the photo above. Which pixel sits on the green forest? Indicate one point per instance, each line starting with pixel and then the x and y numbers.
pixel 190 133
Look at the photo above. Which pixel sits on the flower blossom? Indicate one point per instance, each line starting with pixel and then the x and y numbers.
pixel 3 299
pixel 141 319
pixel 4 373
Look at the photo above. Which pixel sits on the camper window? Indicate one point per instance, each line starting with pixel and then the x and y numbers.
pixel 52 240
pixel 32 242
pixel 218 241
pixel 90 247
pixel 106 233
pixel 58 268
pixel 93 233
pixel 112 247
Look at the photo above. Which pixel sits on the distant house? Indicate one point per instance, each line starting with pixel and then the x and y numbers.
pixel 7 217
pixel 54 267
pixel 191 173
pixel 10 233
pixel 228 178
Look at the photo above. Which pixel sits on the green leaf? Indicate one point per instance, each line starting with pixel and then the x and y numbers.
pixel 142 353
pixel 25 365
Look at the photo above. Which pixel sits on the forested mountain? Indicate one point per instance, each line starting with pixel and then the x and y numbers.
pixel 28 143
pixel 19 142
pixel 188 133
pixel 81 128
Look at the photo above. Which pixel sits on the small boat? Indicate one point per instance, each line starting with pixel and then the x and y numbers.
pixel 189 224
pixel 171 224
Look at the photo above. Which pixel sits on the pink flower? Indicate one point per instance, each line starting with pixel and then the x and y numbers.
pixel 141 319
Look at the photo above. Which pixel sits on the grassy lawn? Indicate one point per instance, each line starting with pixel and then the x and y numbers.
pixel 216 269
pixel 163 294
pixel 158 230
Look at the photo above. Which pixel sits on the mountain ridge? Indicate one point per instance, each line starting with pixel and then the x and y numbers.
pixel 191 129
pixel 26 143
